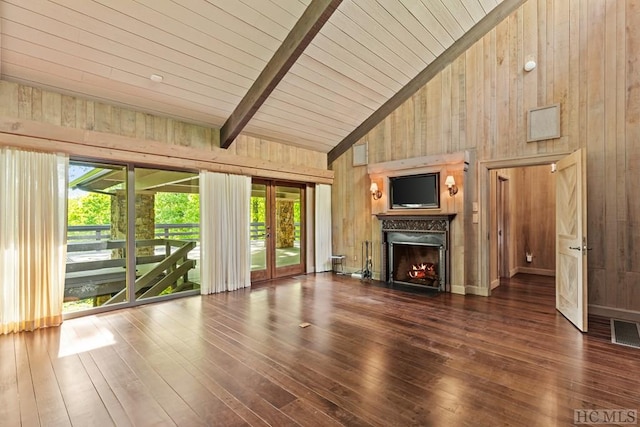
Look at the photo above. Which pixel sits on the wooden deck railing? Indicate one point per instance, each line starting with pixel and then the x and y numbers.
pixel 91 278
pixel 188 231
pixel 107 277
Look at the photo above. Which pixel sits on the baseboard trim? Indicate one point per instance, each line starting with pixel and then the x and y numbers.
pixel 615 313
pixel 477 290
pixel 458 289
pixel 538 271
pixel 495 283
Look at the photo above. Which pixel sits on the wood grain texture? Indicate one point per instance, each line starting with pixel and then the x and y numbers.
pixel 312 20
pixel 66 119
pixel 372 356
pixel 587 54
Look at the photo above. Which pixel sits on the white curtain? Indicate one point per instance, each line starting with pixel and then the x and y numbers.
pixel 33 220
pixel 323 227
pixel 224 232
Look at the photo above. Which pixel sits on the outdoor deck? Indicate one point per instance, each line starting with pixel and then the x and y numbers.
pixel 96 268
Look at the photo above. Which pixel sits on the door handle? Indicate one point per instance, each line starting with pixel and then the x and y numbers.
pixel 576 248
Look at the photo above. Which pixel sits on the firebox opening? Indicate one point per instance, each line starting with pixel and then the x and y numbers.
pixel 416 264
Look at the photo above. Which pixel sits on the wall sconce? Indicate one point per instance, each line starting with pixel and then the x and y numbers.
pixel 451 184
pixel 375 192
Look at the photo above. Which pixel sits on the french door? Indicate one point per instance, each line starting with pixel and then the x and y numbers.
pixel 277 229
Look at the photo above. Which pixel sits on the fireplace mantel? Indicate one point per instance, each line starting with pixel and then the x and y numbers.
pixel 415 223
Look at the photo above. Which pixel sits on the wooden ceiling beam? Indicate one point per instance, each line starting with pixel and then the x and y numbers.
pixel 309 24
pixel 486 24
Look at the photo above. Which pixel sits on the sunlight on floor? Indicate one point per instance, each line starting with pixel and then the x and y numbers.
pixel 73 344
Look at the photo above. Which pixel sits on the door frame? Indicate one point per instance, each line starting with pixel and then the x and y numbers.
pixel 503 234
pixel 484 203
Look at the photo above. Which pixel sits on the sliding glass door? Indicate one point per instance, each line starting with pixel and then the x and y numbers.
pixel 277 230
pixel 97 266
pixel 118 210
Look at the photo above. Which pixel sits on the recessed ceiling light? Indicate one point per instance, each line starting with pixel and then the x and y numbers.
pixel 156 78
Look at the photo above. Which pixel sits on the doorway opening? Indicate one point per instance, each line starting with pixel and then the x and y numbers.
pixel 571 243
pixel 522 237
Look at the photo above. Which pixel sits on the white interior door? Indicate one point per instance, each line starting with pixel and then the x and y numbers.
pixel 571 239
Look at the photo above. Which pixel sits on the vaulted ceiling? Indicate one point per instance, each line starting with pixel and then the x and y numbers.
pixel 315 74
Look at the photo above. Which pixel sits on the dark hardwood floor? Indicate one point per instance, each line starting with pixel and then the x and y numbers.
pixel 372 357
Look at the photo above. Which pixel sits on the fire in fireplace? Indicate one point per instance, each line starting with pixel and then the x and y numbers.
pixel 416 264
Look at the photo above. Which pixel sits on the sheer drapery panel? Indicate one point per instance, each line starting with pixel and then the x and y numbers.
pixel 323 228
pixel 33 201
pixel 224 237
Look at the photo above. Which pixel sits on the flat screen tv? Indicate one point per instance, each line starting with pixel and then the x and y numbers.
pixel 415 191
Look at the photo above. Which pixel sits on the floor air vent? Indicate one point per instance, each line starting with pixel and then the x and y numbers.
pixel 625 333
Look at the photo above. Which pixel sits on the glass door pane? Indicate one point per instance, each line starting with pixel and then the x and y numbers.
pixel 287 230
pixel 259 234
pixel 167 230
pixel 96 271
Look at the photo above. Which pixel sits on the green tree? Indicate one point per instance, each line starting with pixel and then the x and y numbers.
pixel 177 208
pixel 90 209
pixel 258 209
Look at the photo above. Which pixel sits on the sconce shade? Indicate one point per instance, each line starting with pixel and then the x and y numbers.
pixel 451 183
pixel 375 192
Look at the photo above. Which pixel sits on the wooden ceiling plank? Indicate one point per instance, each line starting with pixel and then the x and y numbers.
pixel 397 30
pixel 343 55
pixel 476 32
pixel 339 86
pixel 320 99
pixel 130 73
pixel 413 26
pixel 426 18
pixel 309 24
pixel 88 59
pixel 460 12
pixel 129 20
pixel 308 129
pixel 368 41
pixel 143 86
pixel 103 37
pixel 118 95
pixel 444 17
pixel 287 139
pixel 282 13
pixel 200 21
pixel 296 114
pixel 382 34
pixel 475 9
pixel 488 5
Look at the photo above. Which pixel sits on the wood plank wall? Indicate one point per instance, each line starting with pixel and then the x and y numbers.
pixel 588 60
pixel 31 103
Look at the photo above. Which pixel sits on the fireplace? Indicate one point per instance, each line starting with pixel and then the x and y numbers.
pixel 416 251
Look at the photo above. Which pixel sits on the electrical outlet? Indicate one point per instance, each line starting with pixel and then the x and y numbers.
pixel 355 257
